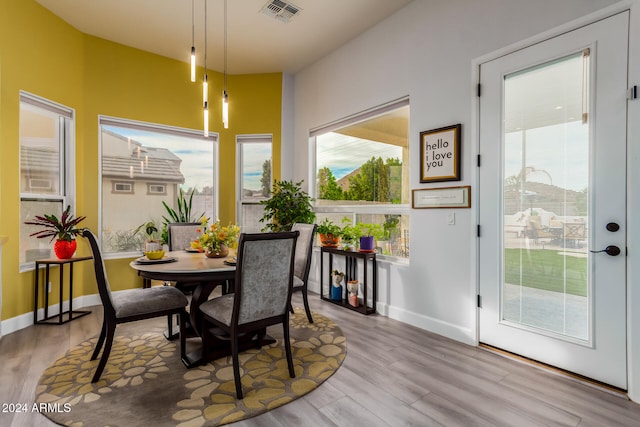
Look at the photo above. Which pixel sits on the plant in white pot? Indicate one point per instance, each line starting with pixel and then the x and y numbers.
pixel 63 231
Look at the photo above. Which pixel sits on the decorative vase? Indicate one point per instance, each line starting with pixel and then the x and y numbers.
pixel 64 249
pixel 329 240
pixel 223 252
pixel 366 243
pixel 336 293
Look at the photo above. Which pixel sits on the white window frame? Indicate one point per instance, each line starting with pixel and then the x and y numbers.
pixel 67 138
pixel 240 141
pixel 160 128
pixel 351 210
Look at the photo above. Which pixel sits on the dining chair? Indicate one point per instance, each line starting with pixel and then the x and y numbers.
pixel 262 296
pixel 129 305
pixel 304 251
pixel 181 234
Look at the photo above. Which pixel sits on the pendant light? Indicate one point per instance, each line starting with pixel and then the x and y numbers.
pixel 193 46
pixel 225 97
pixel 205 84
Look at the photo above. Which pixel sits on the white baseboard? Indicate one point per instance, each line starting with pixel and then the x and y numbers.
pixel 24 320
pixel 449 330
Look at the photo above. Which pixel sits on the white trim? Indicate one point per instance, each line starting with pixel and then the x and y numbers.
pixel 633 378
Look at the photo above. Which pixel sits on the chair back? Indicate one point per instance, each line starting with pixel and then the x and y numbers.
pixel 264 276
pixel 101 276
pixel 181 234
pixel 304 249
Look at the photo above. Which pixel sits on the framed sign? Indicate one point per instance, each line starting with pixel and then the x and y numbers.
pixel 440 154
pixel 447 197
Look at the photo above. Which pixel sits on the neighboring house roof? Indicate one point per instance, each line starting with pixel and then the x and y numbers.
pixel 39 160
pixel 154 169
pixel 162 164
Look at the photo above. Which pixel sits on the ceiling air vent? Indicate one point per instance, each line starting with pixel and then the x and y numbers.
pixel 280 10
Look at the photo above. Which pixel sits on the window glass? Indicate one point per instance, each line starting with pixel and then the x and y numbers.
pixel 146 166
pixel 46 169
pixel 255 179
pixel 362 175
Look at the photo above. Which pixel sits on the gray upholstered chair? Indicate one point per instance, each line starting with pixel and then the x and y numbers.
pixel 262 296
pixel 304 250
pixel 129 306
pixel 181 234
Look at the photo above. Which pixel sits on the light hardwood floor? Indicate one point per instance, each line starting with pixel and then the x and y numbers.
pixel 393 375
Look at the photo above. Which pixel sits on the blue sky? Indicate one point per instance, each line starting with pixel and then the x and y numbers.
pixel 343 154
pixel 560 150
pixel 196 153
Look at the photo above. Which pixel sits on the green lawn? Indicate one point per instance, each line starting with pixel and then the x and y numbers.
pixel 546 269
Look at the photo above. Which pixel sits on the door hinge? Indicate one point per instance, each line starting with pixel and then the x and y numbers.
pixel 478 90
pixel 478 160
pixel 479 301
pixel 633 93
pixel 478 230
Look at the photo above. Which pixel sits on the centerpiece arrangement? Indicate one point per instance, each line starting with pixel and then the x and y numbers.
pixel 216 239
pixel 63 231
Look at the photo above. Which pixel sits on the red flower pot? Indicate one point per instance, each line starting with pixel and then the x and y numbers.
pixel 329 240
pixel 64 249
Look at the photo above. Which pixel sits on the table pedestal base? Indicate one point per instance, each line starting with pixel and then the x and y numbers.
pixel 220 346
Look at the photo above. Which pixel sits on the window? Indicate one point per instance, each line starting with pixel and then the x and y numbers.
pixel 145 165
pixel 254 158
pixel 122 187
pixel 159 189
pixel 362 173
pixel 46 169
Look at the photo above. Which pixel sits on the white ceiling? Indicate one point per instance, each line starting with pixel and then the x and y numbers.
pixel 256 43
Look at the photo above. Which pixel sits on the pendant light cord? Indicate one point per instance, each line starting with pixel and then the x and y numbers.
pixel 225 45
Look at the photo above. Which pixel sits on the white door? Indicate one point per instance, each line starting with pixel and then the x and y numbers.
pixel 552 192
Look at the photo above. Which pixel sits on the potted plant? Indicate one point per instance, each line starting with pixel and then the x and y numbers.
pixel 182 214
pixel 153 243
pixel 287 205
pixel 63 231
pixel 349 235
pixel 216 240
pixel 368 235
pixel 329 233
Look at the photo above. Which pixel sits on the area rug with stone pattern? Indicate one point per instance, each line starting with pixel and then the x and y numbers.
pixel 145 383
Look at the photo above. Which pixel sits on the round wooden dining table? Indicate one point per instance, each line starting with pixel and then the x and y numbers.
pixel 193 270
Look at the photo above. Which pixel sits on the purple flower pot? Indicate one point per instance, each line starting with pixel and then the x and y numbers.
pixel 366 243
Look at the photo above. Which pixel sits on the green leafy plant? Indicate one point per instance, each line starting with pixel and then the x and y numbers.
pixel 64 228
pixel 349 233
pixel 375 230
pixel 328 227
pixel 151 232
pixel 287 205
pixel 182 214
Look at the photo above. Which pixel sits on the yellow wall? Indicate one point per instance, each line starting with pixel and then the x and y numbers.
pixel 41 54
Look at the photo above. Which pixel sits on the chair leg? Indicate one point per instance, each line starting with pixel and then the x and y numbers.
pixel 236 364
pixel 290 308
pixel 287 347
pixel 170 335
pixel 111 329
pixel 182 318
pixel 306 304
pixel 103 332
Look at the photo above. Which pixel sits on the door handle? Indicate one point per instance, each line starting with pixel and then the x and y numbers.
pixel 610 250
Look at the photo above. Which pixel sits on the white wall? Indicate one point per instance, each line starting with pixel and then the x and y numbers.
pixel 426 51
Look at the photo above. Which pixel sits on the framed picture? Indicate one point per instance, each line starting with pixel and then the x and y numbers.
pixel 440 154
pixel 447 197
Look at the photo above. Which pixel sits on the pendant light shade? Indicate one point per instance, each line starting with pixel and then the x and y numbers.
pixel 193 46
pixel 193 63
pixel 225 96
pixel 225 109
pixel 206 119
pixel 205 84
